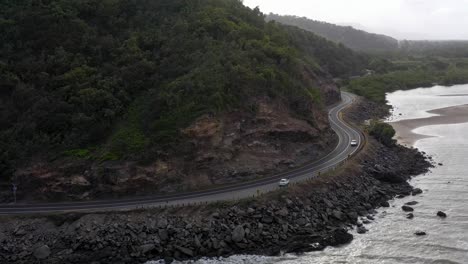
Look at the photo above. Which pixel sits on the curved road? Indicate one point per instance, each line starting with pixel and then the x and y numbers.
pixel 241 190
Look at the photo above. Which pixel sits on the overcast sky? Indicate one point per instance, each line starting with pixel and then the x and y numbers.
pixel 402 19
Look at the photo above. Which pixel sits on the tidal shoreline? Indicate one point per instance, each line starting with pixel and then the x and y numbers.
pixel 309 216
pixel 443 116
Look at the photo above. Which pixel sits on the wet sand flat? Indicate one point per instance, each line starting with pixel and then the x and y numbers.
pixel 449 115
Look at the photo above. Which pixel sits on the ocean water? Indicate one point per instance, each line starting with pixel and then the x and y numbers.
pixel 391 236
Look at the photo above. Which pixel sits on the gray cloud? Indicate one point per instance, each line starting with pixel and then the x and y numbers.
pixel 403 19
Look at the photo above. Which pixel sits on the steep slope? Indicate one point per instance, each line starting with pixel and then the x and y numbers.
pixel 334 58
pixel 358 40
pixel 110 98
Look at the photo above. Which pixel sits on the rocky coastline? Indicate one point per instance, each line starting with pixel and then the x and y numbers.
pixel 305 217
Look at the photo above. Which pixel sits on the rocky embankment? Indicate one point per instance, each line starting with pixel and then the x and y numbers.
pixel 307 216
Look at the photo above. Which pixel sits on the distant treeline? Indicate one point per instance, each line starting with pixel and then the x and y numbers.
pixel 409 74
pixel 448 48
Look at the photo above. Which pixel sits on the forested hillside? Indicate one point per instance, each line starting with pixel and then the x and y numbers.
pixel 334 58
pixel 121 79
pixel 355 39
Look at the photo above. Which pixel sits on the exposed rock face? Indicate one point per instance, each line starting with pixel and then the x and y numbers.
pixel 232 147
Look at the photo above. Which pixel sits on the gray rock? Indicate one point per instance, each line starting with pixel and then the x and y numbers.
pixel 365 221
pixel 215 242
pixel 410 216
pixel 267 219
pixel 162 223
pixel 41 252
pixel 420 233
pixel 215 215
pixel 353 216
pixel 238 234
pixel 163 235
pixel 385 204
pixel 197 242
pixel 441 214
pixel 416 191
pixel 328 203
pixel 411 203
pixel 361 230
pixel 407 208
pixel 146 248
pixel 301 221
pixel 2 237
pixel 185 251
pixel 283 212
pixel 337 214
pixel 20 232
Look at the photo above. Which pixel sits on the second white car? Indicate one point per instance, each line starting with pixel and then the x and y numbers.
pixel 283 182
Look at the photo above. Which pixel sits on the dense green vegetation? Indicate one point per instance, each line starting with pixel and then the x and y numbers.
pixel 118 79
pixel 408 74
pixel 335 58
pixel 356 39
pixel 383 132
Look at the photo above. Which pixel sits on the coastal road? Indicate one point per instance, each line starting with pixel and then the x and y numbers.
pixel 342 152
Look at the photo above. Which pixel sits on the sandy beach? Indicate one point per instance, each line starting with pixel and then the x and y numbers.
pixel 449 115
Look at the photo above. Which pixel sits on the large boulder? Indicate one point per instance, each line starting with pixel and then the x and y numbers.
pixel 283 212
pixel 238 234
pixel 186 251
pixel 441 214
pixel 361 230
pixel 420 233
pixel 42 252
pixel 146 248
pixel 338 237
pixel 416 191
pixel 162 223
pixel 407 208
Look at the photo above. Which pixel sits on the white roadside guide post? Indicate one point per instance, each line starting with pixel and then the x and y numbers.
pixel 14 191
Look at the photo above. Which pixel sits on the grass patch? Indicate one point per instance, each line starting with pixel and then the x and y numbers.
pixel 79 153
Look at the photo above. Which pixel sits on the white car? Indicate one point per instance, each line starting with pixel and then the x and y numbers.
pixel 354 143
pixel 283 182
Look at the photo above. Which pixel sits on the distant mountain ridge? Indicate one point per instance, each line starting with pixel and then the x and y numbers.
pixel 355 39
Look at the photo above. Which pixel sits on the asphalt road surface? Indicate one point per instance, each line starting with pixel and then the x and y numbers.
pixel 313 169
